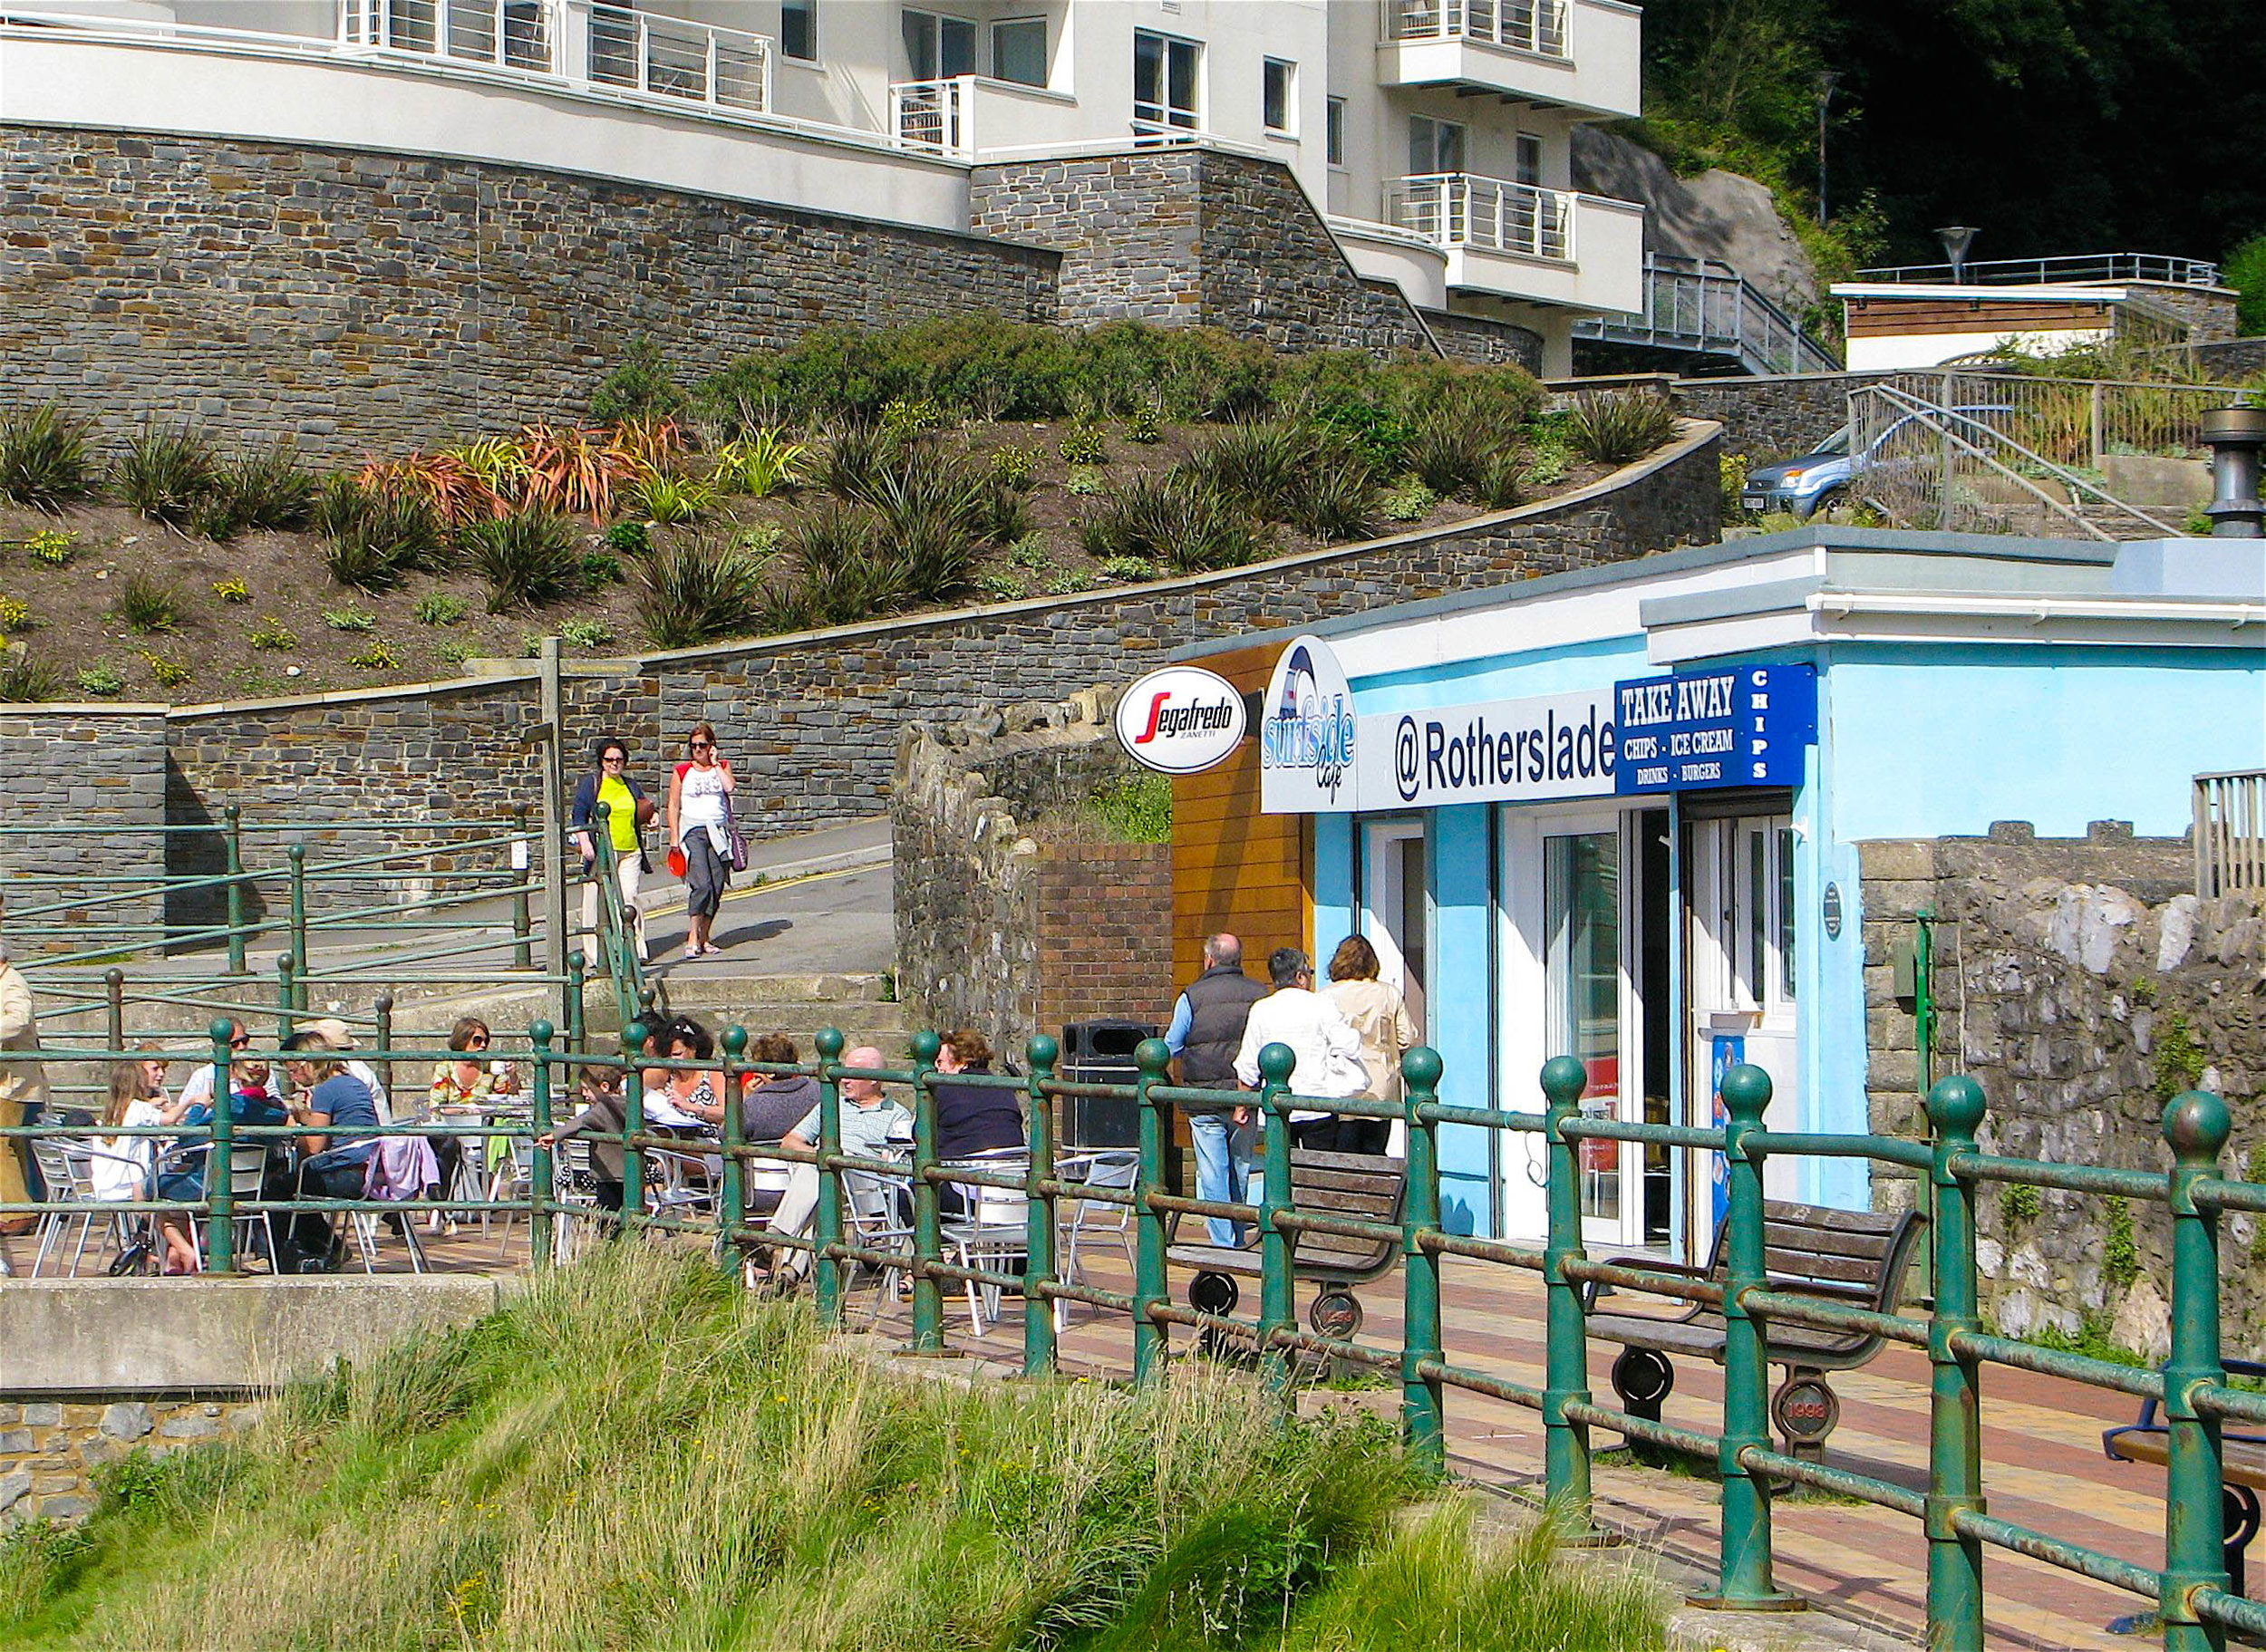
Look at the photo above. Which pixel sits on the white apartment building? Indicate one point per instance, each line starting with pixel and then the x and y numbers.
pixel 1432 134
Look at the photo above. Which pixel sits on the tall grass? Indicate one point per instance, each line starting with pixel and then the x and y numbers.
pixel 634 1455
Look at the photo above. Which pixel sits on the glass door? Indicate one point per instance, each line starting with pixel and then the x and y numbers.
pixel 1393 916
pixel 1583 988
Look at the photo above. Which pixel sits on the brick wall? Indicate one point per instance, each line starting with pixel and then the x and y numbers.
pixel 1105 932
pixel 355 300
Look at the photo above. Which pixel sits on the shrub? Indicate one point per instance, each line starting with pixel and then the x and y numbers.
pixel 1407 500
pixel 1130 569
pixel 1502 482
pixel 1136 809
pixel 1145 425
pixel 855 456
pixel 100 682
pixel 907 419
pixel 1015 465
pixel 630 538
pixel 1447 446
pixel 374 657
pixel 23 680
pixel 495 462
pixel 350 619
pixel 529 558
pixel 1030 552
pixel 1305 475
pixel 846 573
pixel 14 613
pixel 272 633
pixel 1254 462
pixel 572 471
pixel 167 474
pixel 1383 435
pixel 1068 582
pixel 232 590
pixel 1731 477
pixel 936 511
pixel 265 487
pixel 586 633
pixel 1084 482
pixel 452 653
pixel 146 605
pixel 1003 587
pixel 2244 270
pixel 1332 500
pixel 53 548
pixel 1006 513
pixel 600 569
pixel 638 383
pixel 441 608
pixel 1548 459
pixel 1083 446
pixel 693 589
pixel 666 499
pixel 1617 428
pixel 760 465
pixel 387 539
pixel 443 483
pixel 169 673
pixel 645 444
pixel 46 458
pixel 339 506
pixel 1181 519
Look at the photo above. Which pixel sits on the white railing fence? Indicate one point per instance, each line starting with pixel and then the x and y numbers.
pixel 509 34
pixel 670 57
pixel 2046 272
pixel 1540 26
pixel 1461 209
pixel 933 115
pixel 2229 834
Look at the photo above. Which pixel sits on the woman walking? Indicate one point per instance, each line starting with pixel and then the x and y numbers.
pixel 628 809
pixel 1375 1009
pixel 700 828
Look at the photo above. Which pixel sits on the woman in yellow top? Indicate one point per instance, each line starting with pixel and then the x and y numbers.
pixel 627 809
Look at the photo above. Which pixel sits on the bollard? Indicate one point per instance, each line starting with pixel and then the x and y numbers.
pixel 1423 1418
pixel 232 847
pixel 826 1231
pixel 1277 1308
pixel 2195 1123
pixel 1565 1380
pixel 114 996
pixel 286 996
pixel 1153 1057
pixel 1955 1597
pixel 298 854
pixel 220 1159
pixel 732 1200
pixel 1038 1213
pixel 633 1124
pixel 1743 1576
pixel 522 925
pixel 541 1193
pixel 928 1240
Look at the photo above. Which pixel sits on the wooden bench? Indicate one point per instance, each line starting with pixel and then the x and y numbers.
pixel 1854 1258
pixel 2242 1469
pixel 1365 1187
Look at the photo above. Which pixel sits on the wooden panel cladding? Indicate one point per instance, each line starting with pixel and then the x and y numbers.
pixel 1233 867
pixel 1891 317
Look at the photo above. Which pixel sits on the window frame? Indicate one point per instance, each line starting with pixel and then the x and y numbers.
pixel 808 11
pixel 1333 131
pixel 1165 118
pixel 1522 144
pixel 1046 65
pixel 1439 127
pixel 1269 69
pixel 933 25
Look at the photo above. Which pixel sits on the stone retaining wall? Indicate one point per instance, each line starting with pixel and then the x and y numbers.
pixel 86 796
pixel 2082 983
pixel 50 1452
pixel 1484 342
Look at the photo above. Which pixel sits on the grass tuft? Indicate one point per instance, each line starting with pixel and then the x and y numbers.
pixel 47 457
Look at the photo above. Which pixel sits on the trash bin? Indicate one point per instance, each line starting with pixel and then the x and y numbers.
pixel 1101 1052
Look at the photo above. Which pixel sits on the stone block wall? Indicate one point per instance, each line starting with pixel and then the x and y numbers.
pixel 86 798
pixel 1770 419
pixel 1187 235
pixel 355 300
pixel 2209 312
pixel 2082 983
pixel 1015 915
pixel 1484 342
pixel 50 1452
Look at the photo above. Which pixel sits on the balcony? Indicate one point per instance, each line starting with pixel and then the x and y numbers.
pixel 968 114
pixel 1578 54
pixel 1512 240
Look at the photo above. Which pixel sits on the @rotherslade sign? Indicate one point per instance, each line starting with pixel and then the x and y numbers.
pixel 1736 726
pixel 1306 734
pixel 1180 720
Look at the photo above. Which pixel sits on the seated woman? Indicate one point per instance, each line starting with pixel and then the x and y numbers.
pixel 972 1118
pixel 684 1100
pixel 124 1167
pixel 335 1110
pixel 467 1084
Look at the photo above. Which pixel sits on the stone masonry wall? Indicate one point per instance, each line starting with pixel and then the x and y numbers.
pixel 2082 983
pixel 86 795
pixel 1014 914
pixel 50 1453
pixel 1770 419
pixel 353 300
pixel 1484 342
pixel 1186 235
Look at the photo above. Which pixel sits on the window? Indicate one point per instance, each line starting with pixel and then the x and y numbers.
pixel 1019 50
pixel 1276 94
pixel 1333 131
pixel 939 48
pixel 799 29
pixel 1529 163
pixel 1164 81
pixel 1434 146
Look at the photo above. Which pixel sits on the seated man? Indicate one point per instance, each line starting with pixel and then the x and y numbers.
pixel 868 1120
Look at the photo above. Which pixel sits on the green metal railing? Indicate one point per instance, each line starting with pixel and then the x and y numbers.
pixel 2190 1589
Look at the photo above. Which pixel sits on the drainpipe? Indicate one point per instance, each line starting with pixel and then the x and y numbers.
pixel 2235 436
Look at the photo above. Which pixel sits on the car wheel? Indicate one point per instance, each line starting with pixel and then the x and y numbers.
pixel 1831 500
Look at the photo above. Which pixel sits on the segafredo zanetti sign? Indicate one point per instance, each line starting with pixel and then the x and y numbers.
pixel 1181 719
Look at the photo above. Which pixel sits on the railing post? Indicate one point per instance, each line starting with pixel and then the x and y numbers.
pixel 299 854
pixel 114 1009
pixel 1153 1057
pixel 232 848
pixel 1423 1420
pixel 1955 1597
pixel 1039 1211
pixel 2195 1123
pixel 219 1160
pixel 1277 1309
pixel 928 1239
pixel 382 1010
pixel 541 1195
pixel 573 1006
pixel 731 1205
pixel 633 1124
pixel 826 1230
pixel 286 995
pixel 1565 1381
pixel 1743 1576
pixel 522 919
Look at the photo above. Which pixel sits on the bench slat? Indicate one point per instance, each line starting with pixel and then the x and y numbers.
pixel 1820 1241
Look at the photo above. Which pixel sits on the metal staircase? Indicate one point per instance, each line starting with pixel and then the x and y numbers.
pixel 1701 307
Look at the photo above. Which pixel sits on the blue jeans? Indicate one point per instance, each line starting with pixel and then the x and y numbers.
pixel 1223 1167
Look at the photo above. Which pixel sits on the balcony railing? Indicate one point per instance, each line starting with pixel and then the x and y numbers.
pixel 932 114
pixel 2046 272
pixel 2231 834
pixel 1540 26
pixel 509 34
pixel 1458 210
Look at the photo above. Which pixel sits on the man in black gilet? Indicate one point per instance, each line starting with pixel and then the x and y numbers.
pixel 1207 1029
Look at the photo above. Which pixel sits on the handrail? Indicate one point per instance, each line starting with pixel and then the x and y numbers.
pixel 1466 209
pixel 1704 307
pixel 934 114
pixel 1541 27
pixel 2066 267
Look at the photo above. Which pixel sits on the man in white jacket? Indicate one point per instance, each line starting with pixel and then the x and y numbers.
pixel 1328 1050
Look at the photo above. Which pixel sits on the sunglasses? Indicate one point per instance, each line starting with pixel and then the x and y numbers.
pixel 476 1042
pixel 241 1041
pixel 614 760
pixel 702 746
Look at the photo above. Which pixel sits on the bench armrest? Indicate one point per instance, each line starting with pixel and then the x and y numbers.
pixel 1591 1289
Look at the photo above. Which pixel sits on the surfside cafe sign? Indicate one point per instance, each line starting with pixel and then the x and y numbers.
pixel 1739 726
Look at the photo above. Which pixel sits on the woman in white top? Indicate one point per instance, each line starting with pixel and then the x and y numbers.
pixel 1380 1019
pixel 700 821
pixel 122 1166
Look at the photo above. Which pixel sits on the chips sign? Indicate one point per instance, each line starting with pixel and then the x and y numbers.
pixel 1181 720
